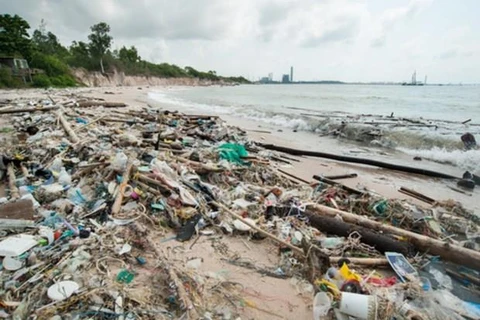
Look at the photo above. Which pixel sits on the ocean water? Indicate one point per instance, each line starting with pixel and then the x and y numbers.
pixel 418 121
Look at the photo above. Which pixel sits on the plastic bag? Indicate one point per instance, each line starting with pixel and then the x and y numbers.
pixel 120 162
pixel 57 165
pixel 64 178
pixel 233 152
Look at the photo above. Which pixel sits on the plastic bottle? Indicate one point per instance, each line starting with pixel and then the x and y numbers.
pixel 333 276
pixel 64 178
pixel 75 195
pixel 332 243
pixel 120 161
pixel 57 165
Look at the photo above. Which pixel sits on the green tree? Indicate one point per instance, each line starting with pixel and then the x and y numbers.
pixel 14 37
pixel 192 72
pixel 100 41
pixel 129 55
pixel 47 42
pixel 80 56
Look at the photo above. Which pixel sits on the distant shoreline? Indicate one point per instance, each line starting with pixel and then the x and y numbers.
pixel 365 83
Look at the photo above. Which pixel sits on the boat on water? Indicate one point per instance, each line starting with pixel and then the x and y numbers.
pixel 414 81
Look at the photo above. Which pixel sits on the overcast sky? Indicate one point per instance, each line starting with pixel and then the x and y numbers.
pixel 350 40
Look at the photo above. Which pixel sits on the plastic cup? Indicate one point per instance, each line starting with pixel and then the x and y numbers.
pixel 321 306
pixel 358 305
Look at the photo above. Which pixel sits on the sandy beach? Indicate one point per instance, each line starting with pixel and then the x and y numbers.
pixel 269 298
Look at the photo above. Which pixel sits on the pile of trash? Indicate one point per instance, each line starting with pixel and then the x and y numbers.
pixel 93 187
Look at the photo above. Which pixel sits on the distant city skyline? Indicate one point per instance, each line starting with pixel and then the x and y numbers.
pixel 353 41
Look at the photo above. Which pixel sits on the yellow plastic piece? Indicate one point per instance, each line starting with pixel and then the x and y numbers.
pixel 249 303
pixel 332 287
pixel 347 274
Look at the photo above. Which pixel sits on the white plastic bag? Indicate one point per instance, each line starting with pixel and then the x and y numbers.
pixel 64 178
pixel 120 162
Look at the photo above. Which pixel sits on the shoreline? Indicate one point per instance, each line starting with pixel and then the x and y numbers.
pixel 381 181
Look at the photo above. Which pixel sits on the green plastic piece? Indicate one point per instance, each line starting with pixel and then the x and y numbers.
pixel 233 152
pixel 157 206
pixel 125 276
pixel 380 207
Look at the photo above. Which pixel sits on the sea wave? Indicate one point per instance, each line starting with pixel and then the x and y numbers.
pixel 466 160
pixel 165 99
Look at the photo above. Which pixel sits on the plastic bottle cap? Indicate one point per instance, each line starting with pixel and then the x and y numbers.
pixel 11 263
pixel 62 290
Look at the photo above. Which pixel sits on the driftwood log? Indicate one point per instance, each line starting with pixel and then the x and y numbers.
pixel 370 162
pixel 66 126
pixel 337 227
pixel 342 176
pixel 373 262
pixel 445 250
pixel 163 189
pixel 44 109
pixel 338 184
pixel 319 255
pixel 293 176
pixel 417 195
pixel 119 198
pixel 85 104
pixel 11 182
pixel 132 121
pixel 262 232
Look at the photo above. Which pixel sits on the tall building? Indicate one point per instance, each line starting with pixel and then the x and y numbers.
pixel 285 78
pixel 270 77
pixel 291 74
pixel 264 80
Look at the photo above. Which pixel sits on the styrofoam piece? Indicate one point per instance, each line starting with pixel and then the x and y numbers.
pixel 16 245
pixel 126 248
pixel 47 233
pixel 12 263
pixel 240 226
pixel 62 290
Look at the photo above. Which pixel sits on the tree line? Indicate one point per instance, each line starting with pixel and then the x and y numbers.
pixel 44 52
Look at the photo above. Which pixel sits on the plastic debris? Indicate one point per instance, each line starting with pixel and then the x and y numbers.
pixel 62 290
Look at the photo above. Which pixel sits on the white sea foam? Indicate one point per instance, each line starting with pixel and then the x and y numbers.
pixel 166 99
pixel 466 160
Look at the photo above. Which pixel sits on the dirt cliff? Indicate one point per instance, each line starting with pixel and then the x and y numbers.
pixel 119 79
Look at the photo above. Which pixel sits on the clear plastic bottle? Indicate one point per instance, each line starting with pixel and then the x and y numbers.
pixel 120 162
pixel 57 165
pixel 64 178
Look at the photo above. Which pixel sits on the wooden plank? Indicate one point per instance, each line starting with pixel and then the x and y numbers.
pixel 17 210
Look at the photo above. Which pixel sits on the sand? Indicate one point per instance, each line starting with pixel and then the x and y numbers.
pixel 274 298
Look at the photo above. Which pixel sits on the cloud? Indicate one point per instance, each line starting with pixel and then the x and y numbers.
pixel 452 53
pixel 341 33
pixel 380 41
pixel 355 40
pixel 394 16
pixel 173 20
pixel 414 7
pixel 310 23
